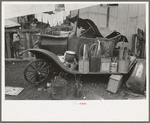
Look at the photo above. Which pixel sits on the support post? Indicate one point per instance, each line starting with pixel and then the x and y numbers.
pixel 25 44
pixel 77 23
pixel 30 42
pixel 108 14
pixel 8 45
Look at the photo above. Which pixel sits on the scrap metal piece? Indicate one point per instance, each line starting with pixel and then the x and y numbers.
pixel 137 80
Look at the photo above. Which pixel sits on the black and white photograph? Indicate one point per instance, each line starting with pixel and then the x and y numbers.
pixel 74 56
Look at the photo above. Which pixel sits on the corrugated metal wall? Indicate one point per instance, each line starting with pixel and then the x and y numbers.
pixel 125 18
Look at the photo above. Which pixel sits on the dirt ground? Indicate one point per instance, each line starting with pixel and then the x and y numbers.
pixel 94 87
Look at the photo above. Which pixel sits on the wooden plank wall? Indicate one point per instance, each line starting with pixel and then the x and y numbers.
pixel 8 45
pixel 96 13
pixel 125 18
pixel 26 41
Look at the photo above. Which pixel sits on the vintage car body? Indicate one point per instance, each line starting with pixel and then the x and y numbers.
pixel 52 45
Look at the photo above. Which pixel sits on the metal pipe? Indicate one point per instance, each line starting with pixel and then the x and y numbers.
pixel 77 23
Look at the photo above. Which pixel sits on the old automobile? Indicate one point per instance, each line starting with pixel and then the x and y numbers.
pixel 87 53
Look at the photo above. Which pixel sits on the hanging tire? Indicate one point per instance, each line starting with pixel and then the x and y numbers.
pixel 37 71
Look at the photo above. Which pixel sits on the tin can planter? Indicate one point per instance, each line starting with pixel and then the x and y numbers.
pixel 59 89
pixel 69 56
pixel 113 68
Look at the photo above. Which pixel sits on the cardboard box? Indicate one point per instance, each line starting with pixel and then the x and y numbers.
pixel 114 83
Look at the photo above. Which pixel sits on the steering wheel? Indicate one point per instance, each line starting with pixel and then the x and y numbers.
pixel 90 28
pixel 93 30
pixel 85 32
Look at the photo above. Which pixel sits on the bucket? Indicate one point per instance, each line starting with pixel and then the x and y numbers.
pixel 123 66
pixel 69 56
pixel 59 91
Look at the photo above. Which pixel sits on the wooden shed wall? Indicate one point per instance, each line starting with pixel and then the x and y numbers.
pixel 125 18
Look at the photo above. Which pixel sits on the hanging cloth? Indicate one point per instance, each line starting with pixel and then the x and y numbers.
pixel 51 20
pixel 39 17
pixel 44 18
pixel 61 17
pixel 54 20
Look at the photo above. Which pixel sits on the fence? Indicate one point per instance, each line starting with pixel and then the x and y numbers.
pixel 125 18
pixel 27 40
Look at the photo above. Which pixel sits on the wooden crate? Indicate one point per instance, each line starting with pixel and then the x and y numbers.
pixel 114 83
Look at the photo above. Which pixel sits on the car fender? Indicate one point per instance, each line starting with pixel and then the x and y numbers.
pixel 50 57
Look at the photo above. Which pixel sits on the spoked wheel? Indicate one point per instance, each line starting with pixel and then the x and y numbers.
pixel 37 71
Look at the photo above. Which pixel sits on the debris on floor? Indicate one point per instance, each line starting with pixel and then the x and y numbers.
pixel 92 96
pixel 130 95
pixel 48 84
pixel 40 89
pixel 13 90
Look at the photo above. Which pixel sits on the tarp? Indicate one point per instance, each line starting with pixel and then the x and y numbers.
pixel 13 90
pixel 75 6
pixel 9 23
pixel 13 9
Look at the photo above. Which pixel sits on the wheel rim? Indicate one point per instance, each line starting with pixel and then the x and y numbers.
pixel 37 71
